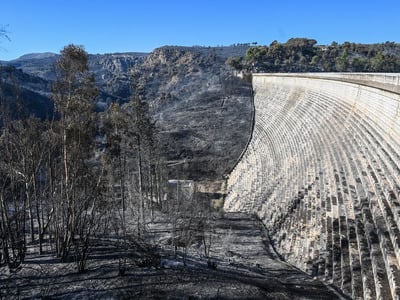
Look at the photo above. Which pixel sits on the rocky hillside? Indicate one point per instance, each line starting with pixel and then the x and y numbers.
pixel 203 112
pixel 112 73
pixel 202 109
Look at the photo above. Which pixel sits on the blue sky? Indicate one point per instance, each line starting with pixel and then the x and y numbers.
pixel 140 26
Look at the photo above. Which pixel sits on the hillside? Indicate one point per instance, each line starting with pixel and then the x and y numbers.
pixel 23 94
pixel 201 110
pixel 306 55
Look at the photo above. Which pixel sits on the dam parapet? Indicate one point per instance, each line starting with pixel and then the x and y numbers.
pixel 322 171
pixel 385 81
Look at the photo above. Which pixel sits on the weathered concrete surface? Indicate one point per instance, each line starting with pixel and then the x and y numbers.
pixel 323 173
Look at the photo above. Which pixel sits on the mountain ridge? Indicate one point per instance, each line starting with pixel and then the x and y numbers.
pixel 193 95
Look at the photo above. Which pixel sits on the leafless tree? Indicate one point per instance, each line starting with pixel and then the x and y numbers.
pixel 4 32
pixel 74 93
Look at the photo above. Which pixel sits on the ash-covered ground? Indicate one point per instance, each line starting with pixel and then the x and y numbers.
pixel 241 264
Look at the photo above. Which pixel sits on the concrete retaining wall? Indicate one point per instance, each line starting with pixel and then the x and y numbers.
pixel 323 173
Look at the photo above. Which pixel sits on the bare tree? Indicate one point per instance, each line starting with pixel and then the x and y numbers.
pixel 115 127
pixel 14 196
pixel 74 93
pixel 4 33
pixel 135 170
pixel 140 137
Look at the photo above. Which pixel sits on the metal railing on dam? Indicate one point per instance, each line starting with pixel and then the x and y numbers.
pixel 322 171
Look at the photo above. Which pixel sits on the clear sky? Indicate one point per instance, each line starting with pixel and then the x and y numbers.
pixel 140 26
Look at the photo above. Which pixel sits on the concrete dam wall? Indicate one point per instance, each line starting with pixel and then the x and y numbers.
pixel 322 171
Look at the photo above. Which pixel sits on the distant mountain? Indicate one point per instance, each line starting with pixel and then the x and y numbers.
pixel 36 64
pixel 111 70
pixel 33 56
pixel 202 110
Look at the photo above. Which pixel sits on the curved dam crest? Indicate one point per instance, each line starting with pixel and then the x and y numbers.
pixel 322 171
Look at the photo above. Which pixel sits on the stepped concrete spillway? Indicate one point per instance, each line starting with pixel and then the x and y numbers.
pixel 322 171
